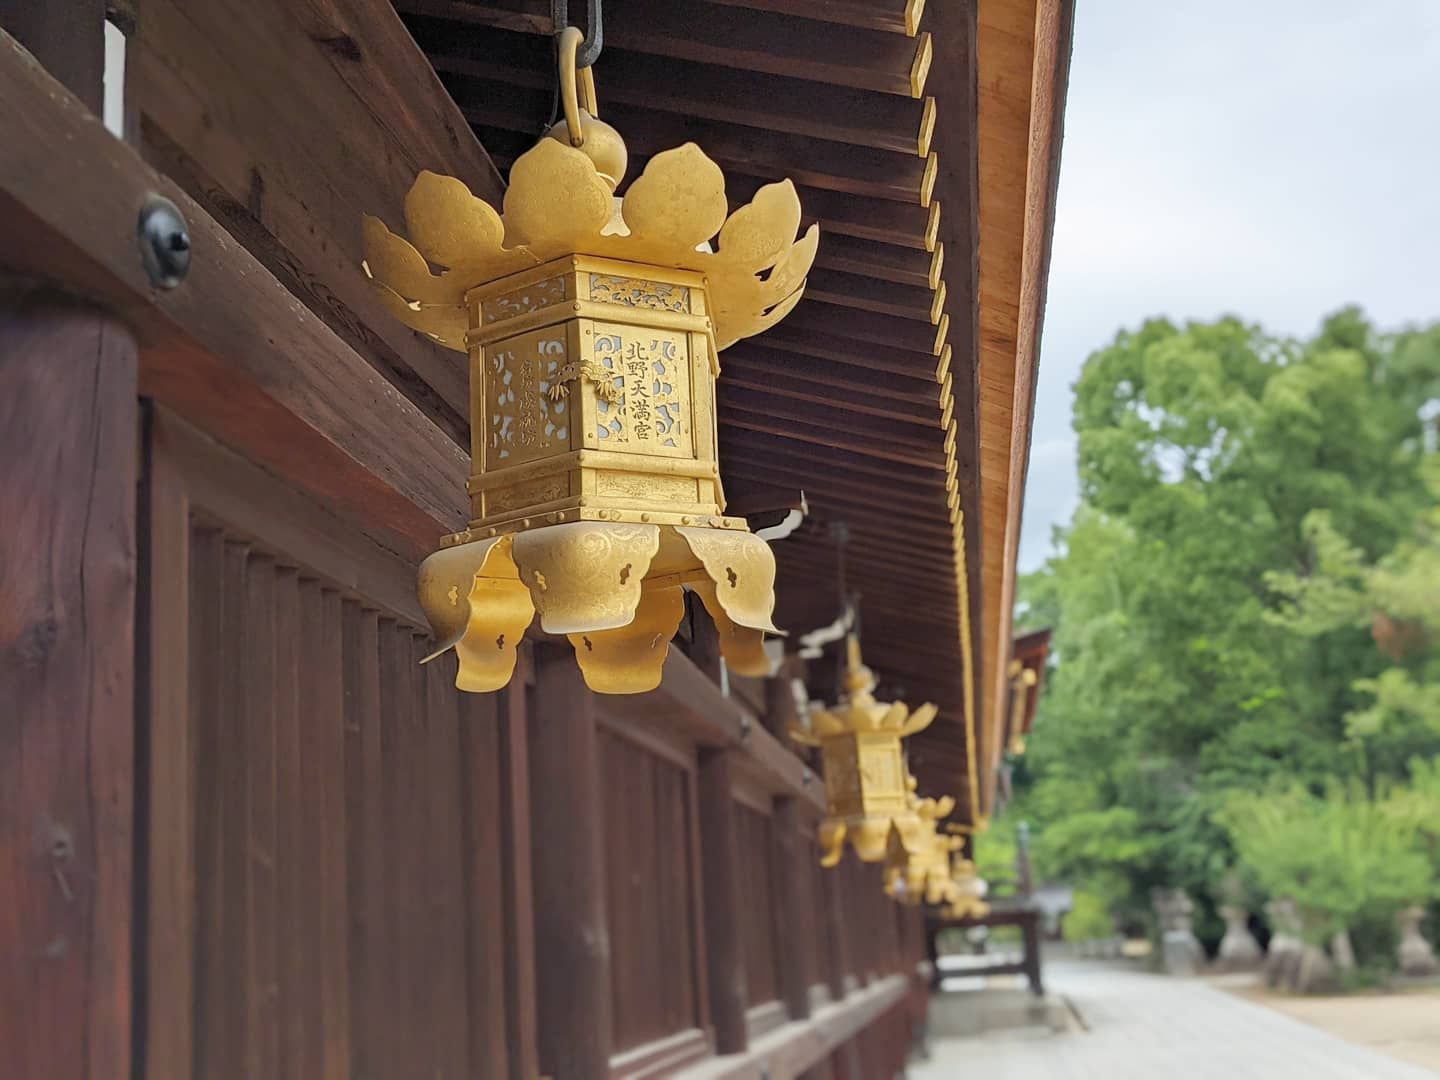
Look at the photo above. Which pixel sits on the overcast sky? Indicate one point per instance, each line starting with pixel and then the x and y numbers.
pixel 1275 159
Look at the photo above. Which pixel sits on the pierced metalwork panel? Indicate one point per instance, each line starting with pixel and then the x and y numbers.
pixel 525 420
pixel 522 301
pixel 650 369
pixel 639 293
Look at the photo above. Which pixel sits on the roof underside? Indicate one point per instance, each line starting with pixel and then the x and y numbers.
pixel 865 396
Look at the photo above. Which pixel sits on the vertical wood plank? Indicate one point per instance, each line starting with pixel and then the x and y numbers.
pixel 515 710
pixel 792 912
pixel 294 883
pixel 171 797
pixel 485 931
pixel 837 944
pixel 67 37
pixel 259 849
pixel 364 814
pixel 572 949
pixel 724 949
pixel 324 773
pixel 68 442
pixel 447 913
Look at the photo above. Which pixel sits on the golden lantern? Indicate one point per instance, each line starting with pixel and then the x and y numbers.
pixel 917 857
pixel 866 783
pixel 969 891
pixel 1022 683
pixel 593 327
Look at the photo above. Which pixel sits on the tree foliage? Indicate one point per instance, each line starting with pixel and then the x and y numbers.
pixel 1256 512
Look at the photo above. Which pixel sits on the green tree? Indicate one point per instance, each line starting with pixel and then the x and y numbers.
pixel 1234 486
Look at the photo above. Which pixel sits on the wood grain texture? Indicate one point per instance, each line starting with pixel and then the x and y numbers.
pixel 288 121
pixel 68 443
pixel 324 812
pixel 724 945
pixel 572 942
pixel 231 349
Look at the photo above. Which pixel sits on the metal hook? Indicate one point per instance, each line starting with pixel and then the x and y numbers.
pixel 594 29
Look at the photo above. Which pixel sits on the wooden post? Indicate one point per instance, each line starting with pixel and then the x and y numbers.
pixel 1030 930
pixel 721 886
pixel 837 952
pixel 68 449
pixel 792 912
pixel 572 939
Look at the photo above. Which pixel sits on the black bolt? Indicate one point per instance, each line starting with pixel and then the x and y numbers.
pixel 164 242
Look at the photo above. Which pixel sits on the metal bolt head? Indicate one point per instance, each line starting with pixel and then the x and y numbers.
pixel 164 242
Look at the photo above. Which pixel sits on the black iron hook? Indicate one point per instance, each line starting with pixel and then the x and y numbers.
pixel 594 29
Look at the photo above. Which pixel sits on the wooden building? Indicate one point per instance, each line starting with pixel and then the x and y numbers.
pixel 242 832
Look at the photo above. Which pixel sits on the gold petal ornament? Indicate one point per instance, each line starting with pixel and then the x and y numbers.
pixel 593 326
pixel 867 787
pixel 917 857
pixel 970 890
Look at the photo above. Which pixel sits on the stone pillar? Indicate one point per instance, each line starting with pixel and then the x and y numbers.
pixel 1239 951
pixel 1415 955
pixel 1285 943
pixel 1180 951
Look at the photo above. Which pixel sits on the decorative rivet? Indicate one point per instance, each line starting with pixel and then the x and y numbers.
pixel 685 520
pixel 164 242
pixel 644 517
pixel 524 523
pixel 490 532
pixel 575 306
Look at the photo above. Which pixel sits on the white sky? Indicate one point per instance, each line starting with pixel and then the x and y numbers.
pixel 1274 159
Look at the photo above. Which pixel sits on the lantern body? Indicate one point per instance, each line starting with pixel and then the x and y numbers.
pixel 593 398
pixel 865 787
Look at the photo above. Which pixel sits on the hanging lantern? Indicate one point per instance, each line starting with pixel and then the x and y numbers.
pixel 593 326
pixel 917 856
pixel 969 891
pixel 866 783
pixel 1022 684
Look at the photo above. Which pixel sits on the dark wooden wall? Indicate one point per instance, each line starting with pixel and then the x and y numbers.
pixel 245 834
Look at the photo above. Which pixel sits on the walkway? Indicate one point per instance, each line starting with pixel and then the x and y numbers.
pixel 1147 1027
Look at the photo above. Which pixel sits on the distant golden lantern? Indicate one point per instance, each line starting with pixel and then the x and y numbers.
pixel 917 857
pixel 866 783
pixel 1022 683
pixel 968 892
pixel 593 327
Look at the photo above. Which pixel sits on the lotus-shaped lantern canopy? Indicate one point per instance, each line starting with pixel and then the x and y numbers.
pixel 593 327
pixel 917 856
pixel 866 784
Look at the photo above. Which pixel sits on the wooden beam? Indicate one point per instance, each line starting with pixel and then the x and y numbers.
pixel 330 110
pixel 895 16
pixel 866 293
pixel 710 34
pixel 767 154
pixel 724 949
pixel 230 349
pixel 687 697
pixel 663 85
pixel 756 357
pixel 572 962
pixel 68 449
pixel 792 1048
pixel 881 262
